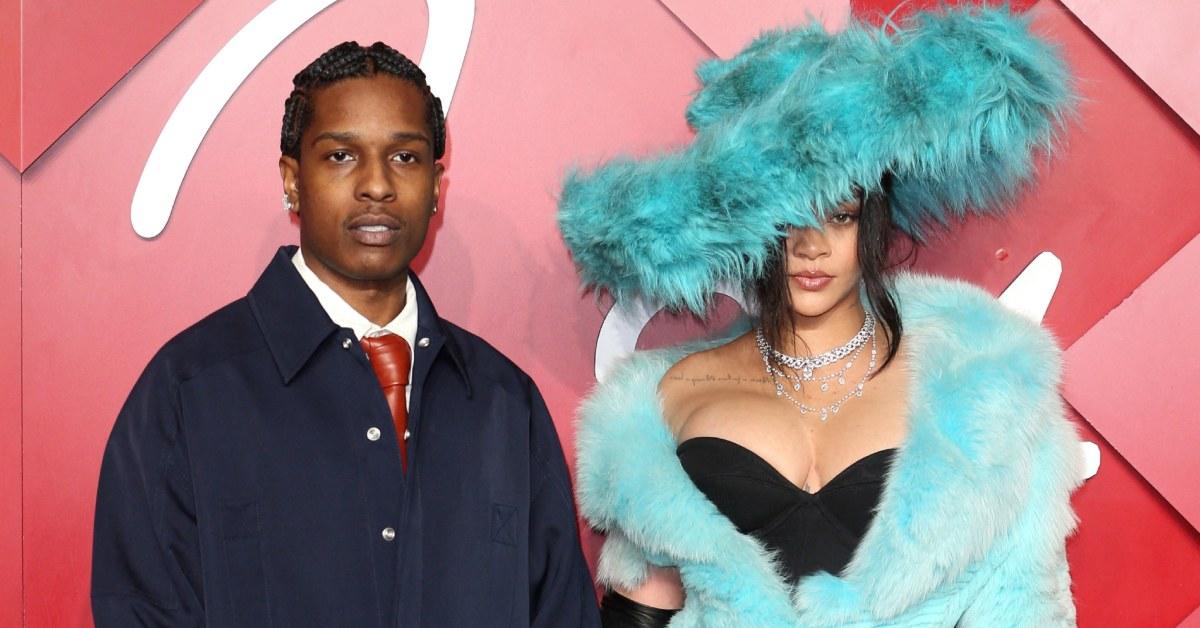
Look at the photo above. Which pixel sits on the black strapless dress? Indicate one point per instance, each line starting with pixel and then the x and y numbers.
pixel 809 532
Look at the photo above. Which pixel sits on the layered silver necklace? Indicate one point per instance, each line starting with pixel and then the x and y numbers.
pixel 803 369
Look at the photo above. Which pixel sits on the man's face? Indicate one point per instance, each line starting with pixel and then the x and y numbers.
pixel 366 182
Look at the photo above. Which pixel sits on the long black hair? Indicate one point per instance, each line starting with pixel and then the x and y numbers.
pixel 877 235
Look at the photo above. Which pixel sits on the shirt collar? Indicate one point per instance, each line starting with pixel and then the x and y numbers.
pixel 344 315
pixel 294 323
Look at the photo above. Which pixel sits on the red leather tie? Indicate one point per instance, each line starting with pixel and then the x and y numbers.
pixel 390 358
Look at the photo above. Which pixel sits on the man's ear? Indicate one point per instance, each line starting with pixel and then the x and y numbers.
pixel 438 169
pixel 289 172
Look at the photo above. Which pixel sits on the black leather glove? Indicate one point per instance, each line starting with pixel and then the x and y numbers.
pixel 618 611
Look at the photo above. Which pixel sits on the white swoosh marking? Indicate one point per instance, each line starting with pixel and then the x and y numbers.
pixel 1029 295
pixel 450 24
pixel 449 32
pixel 624 323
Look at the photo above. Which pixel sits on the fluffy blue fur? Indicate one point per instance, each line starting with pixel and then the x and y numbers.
pixel 954 104
pixel 971 523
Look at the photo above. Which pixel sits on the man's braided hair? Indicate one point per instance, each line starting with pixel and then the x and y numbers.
pixel 349 60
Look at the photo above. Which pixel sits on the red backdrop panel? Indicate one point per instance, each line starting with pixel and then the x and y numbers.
pixel 875 10
pixel 10 396
pixel 1157 40
pixel 10 80
pixel 1134 561
pixel 1113 208
pixel 1145 402
pixel 726 27
pixel 73 51
pixel 1192 621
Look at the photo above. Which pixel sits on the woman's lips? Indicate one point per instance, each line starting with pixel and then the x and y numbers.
pixel 811 282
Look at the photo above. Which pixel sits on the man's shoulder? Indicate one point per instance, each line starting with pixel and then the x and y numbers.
pixel 219 337
pixel 225 333
pixel 486 362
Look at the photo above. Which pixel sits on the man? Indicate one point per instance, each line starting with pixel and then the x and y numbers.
pixel 327 451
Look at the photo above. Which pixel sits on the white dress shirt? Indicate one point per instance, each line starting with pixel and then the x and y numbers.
pixel 343 315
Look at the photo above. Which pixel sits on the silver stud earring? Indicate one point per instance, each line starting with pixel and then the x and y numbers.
pixel 288 205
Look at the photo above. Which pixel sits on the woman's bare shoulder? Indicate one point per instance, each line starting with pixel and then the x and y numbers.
pixel 699 375
pixel 706 365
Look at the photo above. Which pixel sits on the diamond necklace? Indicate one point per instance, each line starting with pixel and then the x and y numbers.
pixel 806 365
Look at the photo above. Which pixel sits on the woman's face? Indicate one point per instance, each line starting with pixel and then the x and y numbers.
pixel 822 264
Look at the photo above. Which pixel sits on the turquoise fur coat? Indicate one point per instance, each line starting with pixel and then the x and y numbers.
pixel 971 523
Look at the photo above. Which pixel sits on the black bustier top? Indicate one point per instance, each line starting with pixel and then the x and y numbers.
pixel 808 532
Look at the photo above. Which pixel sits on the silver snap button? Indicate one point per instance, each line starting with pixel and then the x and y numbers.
pixel 346 343
pixel 424 342
pixel 407 434
pixel 373 433
pixel 389 535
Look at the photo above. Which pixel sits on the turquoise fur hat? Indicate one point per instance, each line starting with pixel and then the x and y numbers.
pixel 953 103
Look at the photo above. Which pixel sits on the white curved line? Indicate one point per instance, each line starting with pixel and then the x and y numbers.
pixel 619 333
pixel 1030 293
pixel 622 326
pixel 450 25
pixel 180 138
pixel 1091 458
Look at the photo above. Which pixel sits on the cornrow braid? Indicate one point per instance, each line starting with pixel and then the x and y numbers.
pixel 349 60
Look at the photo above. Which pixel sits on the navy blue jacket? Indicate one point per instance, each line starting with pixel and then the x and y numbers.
pixel 239 486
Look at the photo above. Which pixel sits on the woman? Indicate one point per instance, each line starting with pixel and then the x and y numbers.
pixel 877 448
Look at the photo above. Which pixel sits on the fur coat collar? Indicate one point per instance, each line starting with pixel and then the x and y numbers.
pixel 971 522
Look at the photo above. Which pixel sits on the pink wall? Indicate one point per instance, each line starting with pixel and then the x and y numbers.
pixel 545 84
pixel 1114 209
pixel 1150 423
pixel 10 396
pixel 10 80
pixel 73 51
pixel 725 28
pixel 873 10
pixel 1155 38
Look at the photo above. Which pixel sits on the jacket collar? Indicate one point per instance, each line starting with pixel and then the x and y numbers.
pixel 294 324
pixel 432 326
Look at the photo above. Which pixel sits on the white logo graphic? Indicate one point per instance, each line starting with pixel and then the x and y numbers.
pixel 623 325
pixel 450 24
pixel 1029 295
